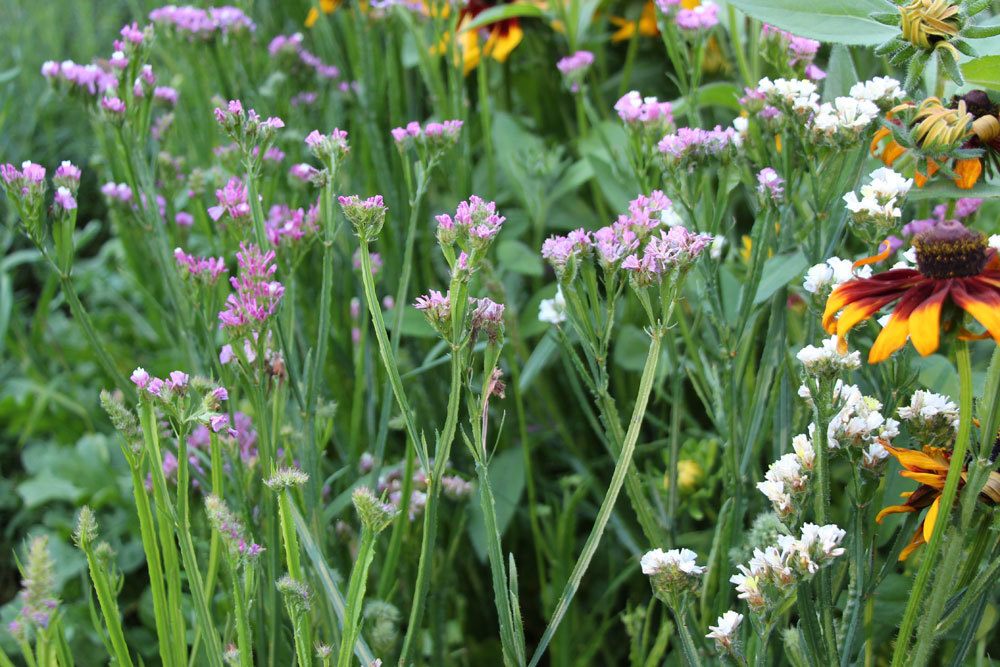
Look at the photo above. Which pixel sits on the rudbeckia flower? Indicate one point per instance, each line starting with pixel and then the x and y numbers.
pixel 956 271
pixel 945 135
pixel 646 25
pixel 502 36
pixel 325 6
pixel 930 468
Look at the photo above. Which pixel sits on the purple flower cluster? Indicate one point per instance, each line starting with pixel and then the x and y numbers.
pixel 963 209
pixel 196 23
pixel 290 47
pixel 671 249
pixel 231 529
pixel 256 295
pixel 176 383
pixel 800 51
pixel 91 79
pixel 64 199
pixel 26 182
pixel 770 185
pixel 366 215
pixel 165 94
pixel 113 105
pixel 633 108
pixel 693 143
pixel 574 68
pixel 703 17
pixel 487 317
pixel 286 225
pixel 436 307
pixel 329 148
pixel 476 220
pixel 432 135
pixel 303 172
pixel 247 129
pixel 206 269
pixel 232 200
pixel 117 192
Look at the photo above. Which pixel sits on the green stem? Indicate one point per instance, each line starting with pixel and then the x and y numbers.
pixel 243 641
pixel 901 653
pixel 617 480
pixel 109 607
pixel 688 647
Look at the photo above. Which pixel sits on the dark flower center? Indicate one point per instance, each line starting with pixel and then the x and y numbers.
pixel 949 250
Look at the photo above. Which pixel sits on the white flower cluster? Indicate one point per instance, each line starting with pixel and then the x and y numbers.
pixel 994 241
pixel 932 418
pixel 826 360
pixel 880 198
pixel 671 572
pixel 843 121
pixel 882 90
pixel 785 480
pixel 765 580
pixel 823 278
pixel 790 94
pixel 724 632
pixel 553 310
pixel 859 421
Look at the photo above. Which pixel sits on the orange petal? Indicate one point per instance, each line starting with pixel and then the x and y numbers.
pixel 893 509
pixel 503 40
pixel 925 322
pixel 861 310
pixel 915 543
pixel 913 459
pixel 982 303
pixel 883 254
pixel 312 17
pixel 968 172
pixel 880 134
pixel 932 479
pixel 892 152
pixel 892 337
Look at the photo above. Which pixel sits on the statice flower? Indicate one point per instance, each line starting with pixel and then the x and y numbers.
pixel 703 17
pixel 472 229
pixel 574 68
pixel 553 311
pixel 289 50
pixel 256 296
pixel 38 597
pixel 672 573
pixel 877 211
pixel 645 111
pixel 202 269
pixel 232 531
pixel 456 488
pixel 232 201
pixel 431 140
pixel 770 186
pixel 665 253
pixel 843 122
pixel 487 318
pixel 823 278
pixel 247 128
pixel 827 361
pixel 366 215
pixel 933 419
pixel 67 176
pixel 785 482
pixel 436 307
pixel 286 225
pixel 798 53
pixel 329 149
pixel 202 24
pixel 723 633
pixel 691 145
pixel 883 91
pixel 119 193
pixel 859 422
pixel 303 172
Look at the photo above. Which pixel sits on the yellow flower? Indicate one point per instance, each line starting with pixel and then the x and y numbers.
pixel 326 6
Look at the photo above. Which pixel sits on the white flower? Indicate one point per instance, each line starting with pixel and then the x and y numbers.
pixel 859 421
pixel 832 273
pixel 724 632
pixel 882 90
pixel 927 405
pixel 886 184
pixel 827 538
pixel 740 124
pixel 818 278
pixel 874 455
pixel 995 241
pixel 802 444
pixel 718 243
pixel 682 560
pixel 553 310
pixel 870 207
pixel 670 217
pixel 775 492
pixel 827 360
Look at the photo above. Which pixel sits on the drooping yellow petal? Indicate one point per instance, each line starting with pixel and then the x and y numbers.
pixel 913 459
pixel 915 543
pixel 983 304
pixel 892 337
pixel 930 519
pixel 893 509
pixel 312 17
pixel 968 172
pixel 502 42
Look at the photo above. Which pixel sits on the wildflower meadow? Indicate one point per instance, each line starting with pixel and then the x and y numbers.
pixel 485 332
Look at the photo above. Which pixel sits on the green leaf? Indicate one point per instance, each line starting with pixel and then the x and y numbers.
pixel 715 94
pixel 503 12
pixel 778 272
pixel 631 348
pixel 540 357
pixel 836 21
pixel 507 481
pixel 46 488
pixel 840 73
pixel 519 258
pixel 414 323
pixel 945 189
pixel 937 374
pixel 329 583
pixel 984 72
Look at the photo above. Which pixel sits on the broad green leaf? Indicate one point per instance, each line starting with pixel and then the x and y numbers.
pixel 942 188
pixel 840 73
pixel 46 488
pixel 715 94
pixel 414 323
pixel 983 72
pixel 937 374
pixel 778 272
pixel 507 481
pixel 836 21
pixel 503 12
pixel 540 357
pixel 631 347
pixel 519 258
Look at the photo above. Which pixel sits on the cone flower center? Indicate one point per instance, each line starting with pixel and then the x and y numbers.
pixel 949 250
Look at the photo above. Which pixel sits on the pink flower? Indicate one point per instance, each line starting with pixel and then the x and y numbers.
pixel 255 297
pixel 113 105
pixel 139 377
pixel 232 200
